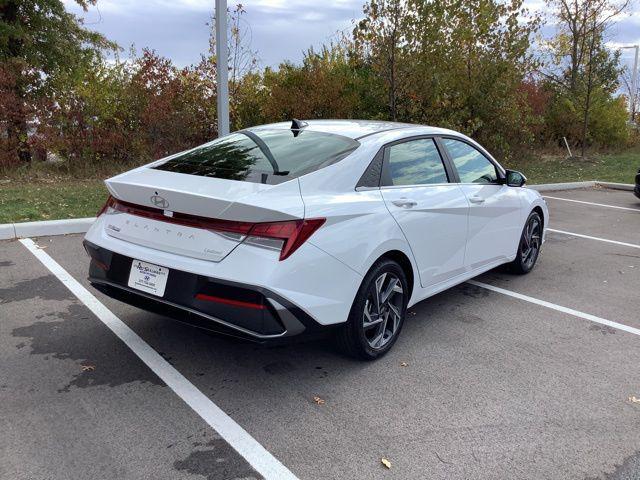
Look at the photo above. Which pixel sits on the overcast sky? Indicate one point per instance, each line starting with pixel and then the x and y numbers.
pixel 280 29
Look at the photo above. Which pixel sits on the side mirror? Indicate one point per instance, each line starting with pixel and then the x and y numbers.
pixel 515 179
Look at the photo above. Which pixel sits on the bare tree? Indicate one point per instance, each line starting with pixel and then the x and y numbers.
pixel 242 59
pixel 580 61
pixel 626 81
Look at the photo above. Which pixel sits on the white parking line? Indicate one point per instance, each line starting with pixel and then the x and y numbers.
pixel 624 244
pixel 592 203
pixel 559 308
pixel 257 456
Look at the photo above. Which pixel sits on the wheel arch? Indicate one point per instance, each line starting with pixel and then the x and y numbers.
pixel 538 209
pixel 402 259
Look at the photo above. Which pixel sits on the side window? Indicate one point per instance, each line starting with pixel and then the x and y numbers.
pixel 416 162
pixel 472 166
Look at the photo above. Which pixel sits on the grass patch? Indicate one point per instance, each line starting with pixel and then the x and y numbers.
pixel 618 167
pixel 42 194
pixel 38 200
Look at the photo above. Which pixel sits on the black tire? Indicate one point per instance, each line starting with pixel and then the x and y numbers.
pixel 358 336
pixel 529 246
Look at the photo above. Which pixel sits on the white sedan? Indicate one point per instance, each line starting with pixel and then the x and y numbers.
pixel 294 228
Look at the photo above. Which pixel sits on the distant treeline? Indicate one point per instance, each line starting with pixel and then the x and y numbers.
pixel 475 66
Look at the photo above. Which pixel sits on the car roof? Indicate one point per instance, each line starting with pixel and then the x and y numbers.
pixel 355 128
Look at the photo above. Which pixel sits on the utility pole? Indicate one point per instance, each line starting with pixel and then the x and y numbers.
pixel 634 81
pixel 222 69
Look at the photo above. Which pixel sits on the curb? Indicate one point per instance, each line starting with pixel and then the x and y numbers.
pixel 7 231
pixel 543 187
pixel 11 231
pixel 617 186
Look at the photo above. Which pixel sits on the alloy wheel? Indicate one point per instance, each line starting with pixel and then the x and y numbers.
pixel 383 310
pixel 530 242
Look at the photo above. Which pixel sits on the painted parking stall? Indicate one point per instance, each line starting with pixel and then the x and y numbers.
pixel 605 215
pixel 505 376
pixel 76 402
pixel 236 436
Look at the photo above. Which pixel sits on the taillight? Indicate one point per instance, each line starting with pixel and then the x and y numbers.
pixel 109 203
pixel 285 237
pixel 292 233
pixel 177 217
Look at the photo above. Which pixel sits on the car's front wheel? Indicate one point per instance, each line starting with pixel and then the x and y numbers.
pixel 377 313
pixel 530 244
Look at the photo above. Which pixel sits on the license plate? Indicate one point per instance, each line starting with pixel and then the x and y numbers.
pixel 148 277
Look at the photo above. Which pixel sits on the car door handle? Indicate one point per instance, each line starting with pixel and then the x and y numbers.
pixel 404 202
pixel 476 199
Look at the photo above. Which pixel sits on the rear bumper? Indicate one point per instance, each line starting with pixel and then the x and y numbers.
pixel 246 311
pixel 637 190
pixel 314 282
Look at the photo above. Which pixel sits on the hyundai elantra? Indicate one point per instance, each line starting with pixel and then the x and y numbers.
pixel 296 228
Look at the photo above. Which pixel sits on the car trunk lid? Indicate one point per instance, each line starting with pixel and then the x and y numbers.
pixel 192 215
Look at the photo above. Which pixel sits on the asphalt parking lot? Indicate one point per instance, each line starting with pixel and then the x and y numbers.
pixel 481 383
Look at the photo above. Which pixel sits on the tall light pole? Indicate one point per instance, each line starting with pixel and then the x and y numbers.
pixel 222 69
pixel 634 81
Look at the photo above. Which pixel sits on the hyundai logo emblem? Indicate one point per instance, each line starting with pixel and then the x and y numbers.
pixel 160 202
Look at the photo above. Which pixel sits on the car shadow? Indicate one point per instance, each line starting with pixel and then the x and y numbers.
pixel 217 363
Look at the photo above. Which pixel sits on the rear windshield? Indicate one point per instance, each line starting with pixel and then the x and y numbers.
pixel 263 156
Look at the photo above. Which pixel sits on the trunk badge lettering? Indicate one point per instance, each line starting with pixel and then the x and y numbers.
pixel 152 228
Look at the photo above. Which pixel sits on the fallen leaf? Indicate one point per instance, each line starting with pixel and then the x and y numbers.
pixel 318 400
pixel 404 364
pixel 88 368
pixel 386 462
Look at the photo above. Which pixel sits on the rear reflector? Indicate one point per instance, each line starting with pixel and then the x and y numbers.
pixel 228 301
pixel 100 265
pixel 292 233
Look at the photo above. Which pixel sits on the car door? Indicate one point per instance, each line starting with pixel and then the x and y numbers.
pixel 494 208
pixel 431 211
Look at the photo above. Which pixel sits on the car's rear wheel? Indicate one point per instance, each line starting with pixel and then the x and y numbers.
pixel 530 244
pixel 377 313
